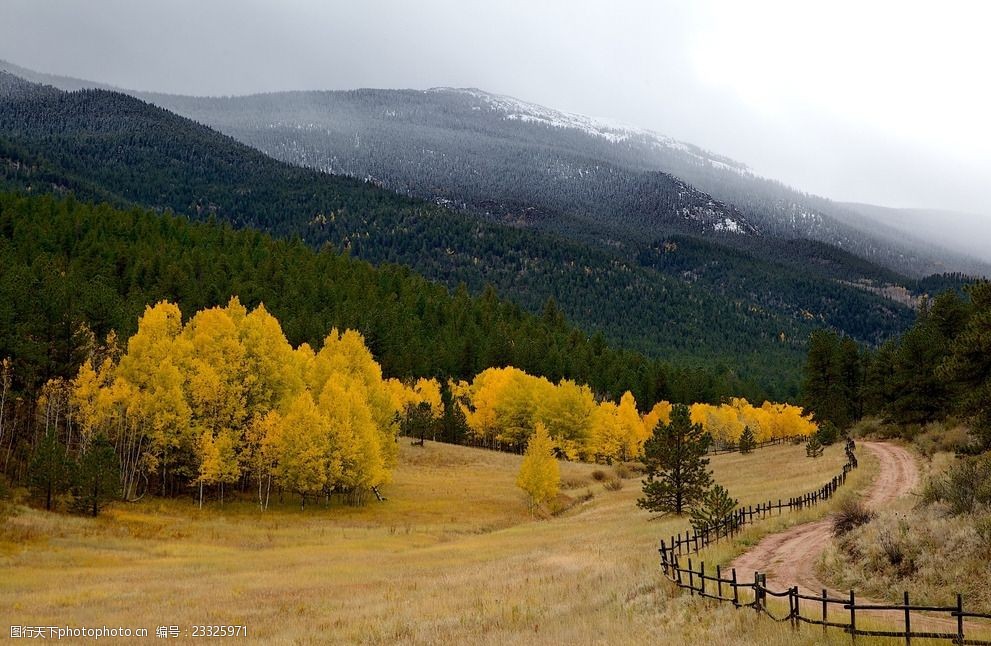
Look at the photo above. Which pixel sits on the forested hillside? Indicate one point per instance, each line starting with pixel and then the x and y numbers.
pixel 73 272
pixel 667 301
pixel 939 369
pixel 534 166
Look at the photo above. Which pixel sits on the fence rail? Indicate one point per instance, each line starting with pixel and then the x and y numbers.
pixel 699 537
pixel 754 594
pixel 735 448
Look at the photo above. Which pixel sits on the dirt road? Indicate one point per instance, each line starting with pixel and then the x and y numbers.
pixel 789 558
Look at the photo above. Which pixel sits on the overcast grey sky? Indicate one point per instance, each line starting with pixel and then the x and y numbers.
pixel 862 100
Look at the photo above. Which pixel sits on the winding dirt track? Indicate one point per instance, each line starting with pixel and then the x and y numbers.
pixel 789 558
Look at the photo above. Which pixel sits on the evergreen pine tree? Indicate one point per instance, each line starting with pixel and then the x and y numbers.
pixel 418 421
pixel 969 364
pixel 454 427
pixel 96 479
pixel 714 506
pixel 50 470
pixel 677 469
pixel 813 447
pixel 747 441
pixel 822 386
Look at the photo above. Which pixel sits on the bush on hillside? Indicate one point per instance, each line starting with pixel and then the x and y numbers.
pixel 852 514
pixel 964 488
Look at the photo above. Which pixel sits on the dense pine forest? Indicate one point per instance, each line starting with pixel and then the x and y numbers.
pixel 74 271
pixel 939 370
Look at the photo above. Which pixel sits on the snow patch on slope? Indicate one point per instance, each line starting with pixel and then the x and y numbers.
pixel 611 130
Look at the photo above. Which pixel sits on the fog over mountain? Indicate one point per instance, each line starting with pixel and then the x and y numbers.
pixel 894 116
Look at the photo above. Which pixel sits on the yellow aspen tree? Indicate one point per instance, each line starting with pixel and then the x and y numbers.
pixel 631 427
pixel 540 475
pixel 216 368
pixel 301 448
pixel 209 462
pixel 158 405
pixel 264 440
pixel 219 463
pixel 271 374
pixel 699 413
pixel 345 354
pixel 516 409
pixel 607 434
pixel 723 424
pixel 567 412
pixel 356 461
pixel 484 395
pixel 216 381
pixel 92 401
pixel 660 413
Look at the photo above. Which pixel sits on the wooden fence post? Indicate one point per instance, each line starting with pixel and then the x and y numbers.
pixel 825 610
pixel 664 558
pixel 677 570
pixel 757 592
pixel 853 616
pixel 702 578
pixel 691 577
pixel 793 602
pixel 959 618
pixel 736 592
pixel 719 581
pixel 908 621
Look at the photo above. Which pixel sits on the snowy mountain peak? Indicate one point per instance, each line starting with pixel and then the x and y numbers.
pixel 611 130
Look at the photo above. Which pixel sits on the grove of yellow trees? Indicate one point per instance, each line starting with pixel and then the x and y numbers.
pixel 225 399
pixel 503 406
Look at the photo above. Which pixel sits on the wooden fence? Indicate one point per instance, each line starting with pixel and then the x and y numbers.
pixel 735 448
pixel 716 584
pixel 697 538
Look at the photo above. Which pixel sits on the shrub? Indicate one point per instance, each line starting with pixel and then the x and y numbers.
pixel 965 486
pixel 939 437
pixel 982 525
pixel 599 475
pixel 613 484
pixel 813 447
pixel 866 427
pixel 573 482
pixel 827 434
pixel 715 505
pixel 635 469
pixel 627 470
pixel 852 514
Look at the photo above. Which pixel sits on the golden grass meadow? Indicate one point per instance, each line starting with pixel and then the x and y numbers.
pixel 452 557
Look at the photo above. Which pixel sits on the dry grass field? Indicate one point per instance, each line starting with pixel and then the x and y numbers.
pixel 451 558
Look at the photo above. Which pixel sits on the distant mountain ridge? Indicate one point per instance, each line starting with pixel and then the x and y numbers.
pixel 533 166
pixel 457 146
